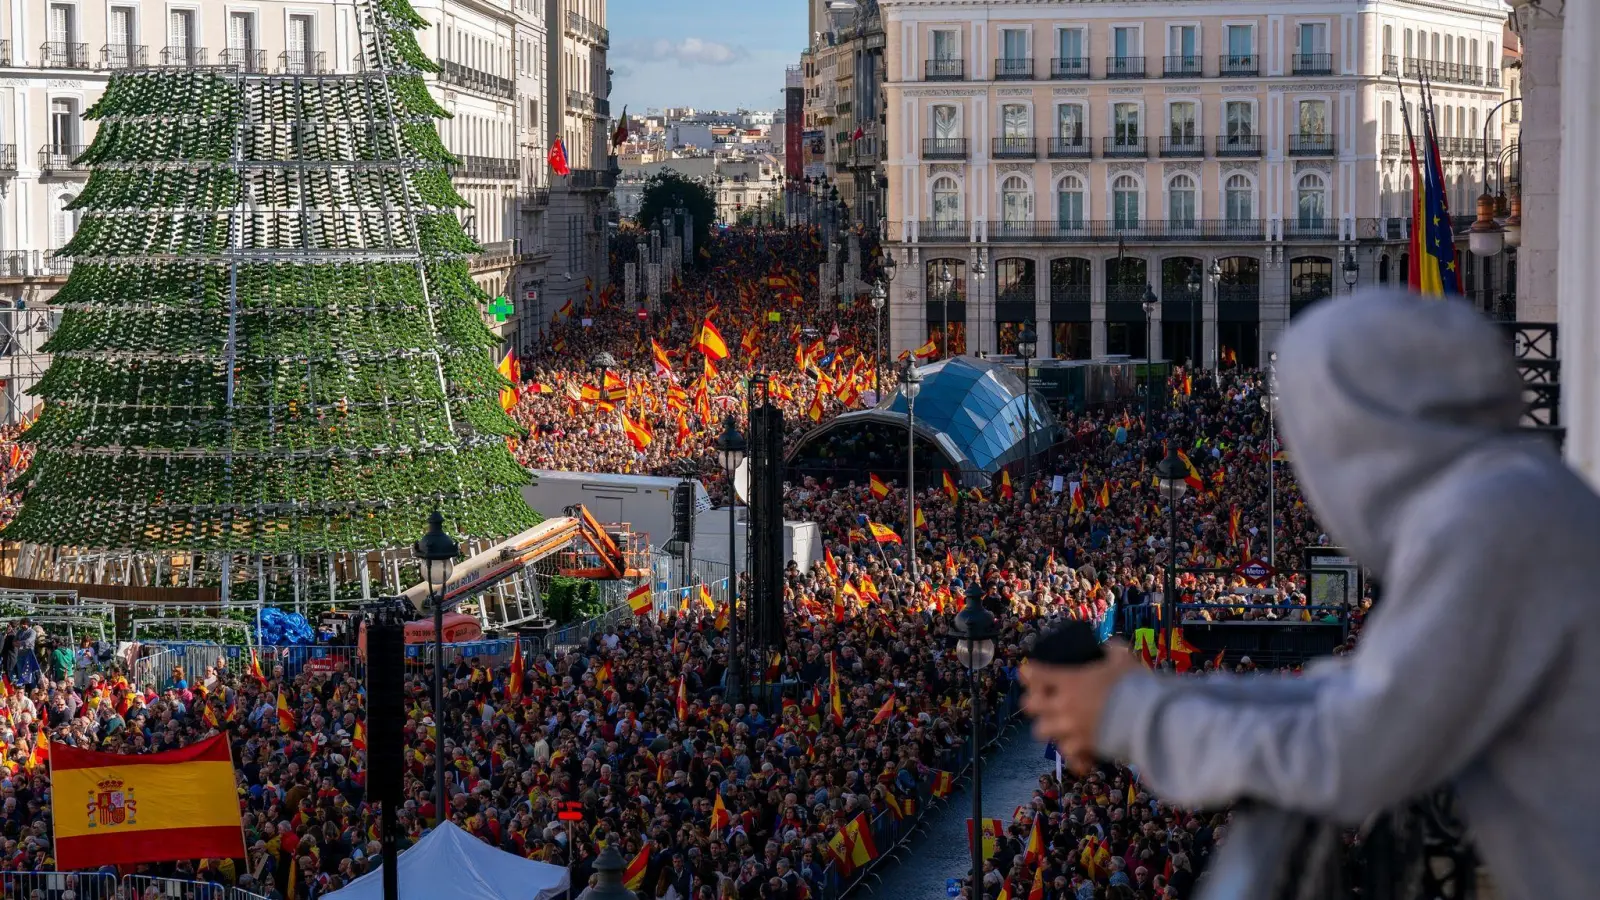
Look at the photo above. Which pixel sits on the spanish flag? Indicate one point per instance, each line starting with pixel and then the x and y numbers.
pixel 885 712
pixel 514 680
pixel 116 809
pixel 638 433
pixel 639 600
pixel 719 814
pixel 511 368
pixel 709 341
pixel 927 351
pixel 285 714
pixel 921 522
pixel 1193 479
pixel 883 534
pixel 683 697
pixel 663 366
pixel 358 740
pixel 255 668
pixel 1006 493
pixel 835 704
pixel 876 486
pixel 949 486
pixel 633 875
pixel 943 784
pixel 830 564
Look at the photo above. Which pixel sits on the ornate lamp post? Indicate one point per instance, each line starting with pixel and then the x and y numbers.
pixel 1149 307
pixel 1352 271
pixel 1214 275
pixel 974 631
pixel 947 284
pixel 911 385
pixel 1170 474
pixel 608 870
pixel 1027 345
pixel 437 552
pixel 879 298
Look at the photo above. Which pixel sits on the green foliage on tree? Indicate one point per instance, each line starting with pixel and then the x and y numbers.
pixel 668 190
pixel 570 600
pixel 270 340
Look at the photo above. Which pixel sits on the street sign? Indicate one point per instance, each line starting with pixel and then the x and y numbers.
pixel 1256 571
pixel 569 811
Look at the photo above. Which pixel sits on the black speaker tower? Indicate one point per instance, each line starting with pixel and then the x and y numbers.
pixel 386 716
pixel 764 596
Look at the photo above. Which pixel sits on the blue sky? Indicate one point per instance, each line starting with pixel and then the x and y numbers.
pixel 710 54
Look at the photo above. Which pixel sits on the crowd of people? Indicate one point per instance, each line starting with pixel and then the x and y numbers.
pixel 711 797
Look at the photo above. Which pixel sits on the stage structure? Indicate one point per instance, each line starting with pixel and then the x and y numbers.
pixel 271 362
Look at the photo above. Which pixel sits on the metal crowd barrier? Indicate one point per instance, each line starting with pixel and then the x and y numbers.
pixel 104 886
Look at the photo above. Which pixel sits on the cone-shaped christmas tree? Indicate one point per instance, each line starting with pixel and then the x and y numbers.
pixel 269 341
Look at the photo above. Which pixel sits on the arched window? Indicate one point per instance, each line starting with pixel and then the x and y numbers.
pixel 1069 203
pixel 946 201
pixel 1239 198
pixel 1181 202
pixel 1312 202
pixel 1016 202
pixel 1125 202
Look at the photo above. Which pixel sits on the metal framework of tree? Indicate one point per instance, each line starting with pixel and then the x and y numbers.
pixel 270 342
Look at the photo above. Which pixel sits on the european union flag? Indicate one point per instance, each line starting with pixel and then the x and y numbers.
pixel 1440 271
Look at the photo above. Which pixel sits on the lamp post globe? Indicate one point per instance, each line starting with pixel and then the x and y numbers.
pixel 979 268
pixel 1214 273
pixel 437 553
pixel 1352 270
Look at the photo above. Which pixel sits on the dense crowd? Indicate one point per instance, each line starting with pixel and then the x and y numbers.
pixel 720 798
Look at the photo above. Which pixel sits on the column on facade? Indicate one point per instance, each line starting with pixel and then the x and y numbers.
pixel 1579 271
pixel 980 303
pixel 1154 348
pixel 1538 258
pixel 1041 308
pixel 1097 306
pixel 1273 306
pixel 1208 326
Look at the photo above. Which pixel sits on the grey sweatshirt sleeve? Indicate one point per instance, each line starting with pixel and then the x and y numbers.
pixel 1436 678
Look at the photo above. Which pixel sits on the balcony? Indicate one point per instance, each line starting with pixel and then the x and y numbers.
pixel 1069 148
pixel 1393 145
pixel 124 56
pixel 1069 67
pixel 59 160
pixel 944 148
pixel 1310 228
pixel 183 56
pixel 593 179
pixel 491 167
pixel 1183 146
pixel 8 160
pixel 536 198
pixel 1124 67
pixel 1311 64
pixel 458 75
pixel 1013 69
pixel 936 231
pixel 1090 231
pixel 1493 73
pixel 302 62
pixel 251 61
pixel 1124 147
pixel 1014 148
pixel 1238 146
pixel 1313 145
pixel 63 55
pixel 944 70
pixel 581 27
pixel 1238 65
pixel 1391 66
pixel 1181 67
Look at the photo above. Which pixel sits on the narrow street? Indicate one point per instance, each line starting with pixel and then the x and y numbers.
pixel 941 852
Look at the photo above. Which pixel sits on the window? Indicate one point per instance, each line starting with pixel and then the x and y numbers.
pixel 945 125
pixel 1015 121
pixel 120 38
pixel 1388 117
pixel 946 201
pixel 1241 43
pixel 1310 278
pixel 63 26
pixel 1239 198
pixel 1241 124
pixel 63 221
pixel 1181 202
pixel 1013 45
pixel 1069 203
pixel 241 36
pixel 1069 44
pixel 1313 117
pixel 1181 118
pixel 1312 202
pixel 1313 38
pixel 63 125
pixel 1125 202
pixel 1016 202
pixel 1125 42
pixel 1183 41
pixel 1125 123
pixel 1409 54
pixel 1388 40
pixel 1069 122
pixel 300 44
pixel 944 45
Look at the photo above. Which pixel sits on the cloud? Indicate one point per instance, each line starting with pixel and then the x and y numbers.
pixel 687 52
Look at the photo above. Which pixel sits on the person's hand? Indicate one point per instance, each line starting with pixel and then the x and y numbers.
pixel 1066 702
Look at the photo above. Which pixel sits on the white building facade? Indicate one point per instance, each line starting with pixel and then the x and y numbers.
pixel 1226 164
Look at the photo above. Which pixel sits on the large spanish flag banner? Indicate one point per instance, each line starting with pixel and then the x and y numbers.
pixel 116 809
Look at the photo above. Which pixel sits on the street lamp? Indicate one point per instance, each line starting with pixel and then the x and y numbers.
pixel 731 450
pixel 1486 237
pixel 1352 271
pixel 1214 275
pixel 974 631
pixel 1267 399
pixel 1170 475
pixel 947 283
pixel 608 871
pixel 1149 307
pixel 880 296
pixel 911 385
pixel 437 552
pixel 1027 345
pixel 1194 302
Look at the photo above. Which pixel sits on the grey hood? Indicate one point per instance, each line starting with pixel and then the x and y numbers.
pixel 1380 394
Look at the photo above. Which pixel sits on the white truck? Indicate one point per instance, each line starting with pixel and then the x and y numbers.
pixel 643 501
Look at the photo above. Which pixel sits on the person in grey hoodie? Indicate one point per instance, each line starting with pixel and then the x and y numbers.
pixel 1478 671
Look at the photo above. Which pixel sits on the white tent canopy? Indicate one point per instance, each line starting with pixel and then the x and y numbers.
pixel 450 864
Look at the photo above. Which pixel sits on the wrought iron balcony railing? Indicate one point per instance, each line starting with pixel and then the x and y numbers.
pixel 1013 69
pixel 124 56
pixel 1124 146
pixel 61 159
pixel 1182 145
pixel 1124 67
pixel 1238 145
pixel 63 55
pixel 944 70
pixel 1311 64
pixel 252 61
pixel 1069 148
pixel 1313 145
pixel 1182 67
pixel 302 62
pixel 183 56
pixel 944 148
pixel 1069 67
pixel 1239 65
pixel 1014 148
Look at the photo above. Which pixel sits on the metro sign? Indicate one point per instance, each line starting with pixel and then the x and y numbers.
pixel 570 811
pixel 1256 571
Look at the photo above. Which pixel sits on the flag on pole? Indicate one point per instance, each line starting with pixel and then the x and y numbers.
pixel 514 681
pixel 883 534
pixel 633 876
pixel 558 158
pixel 639 600
pixel 285 714
pixel 876 487
pixel 709 341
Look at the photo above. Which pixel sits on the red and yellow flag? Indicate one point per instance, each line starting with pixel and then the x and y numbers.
pixel 633 875
pixel 683 697
pixel 885 712
pixel 511 368
pixel 719 814
pixel 1006 492
pixel 830 564
pixel 638 433
pixel 639 600
pixel 663 367
pixel 709 341
pixel 285 714
pixel 835 703
pixel 883 534
pixel 116 809
pixel 927 351
pixel 876 487
pixel 514 684
pixel 949 487
pixel 255 668
pixel 358 740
